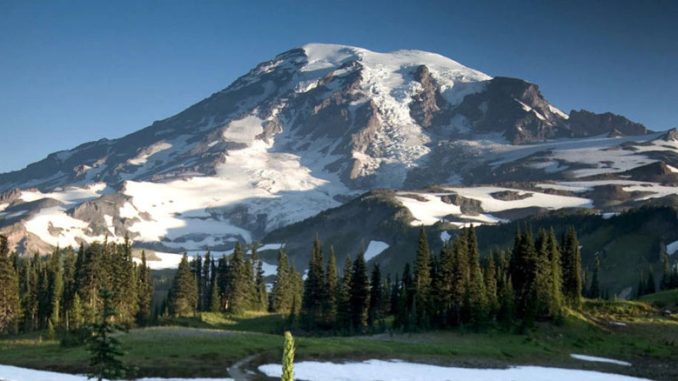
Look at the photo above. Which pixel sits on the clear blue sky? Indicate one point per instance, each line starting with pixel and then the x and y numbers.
pixel 73 71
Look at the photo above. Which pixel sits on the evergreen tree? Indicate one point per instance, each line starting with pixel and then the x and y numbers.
pixel 476 290
pixel 145 292
pixel 282 293
pixel 360 288
pixel 75 314
pixel 344 296
pixel 241 284
pixel 104 347
pixel 10 308
pixel 374 310
pixel 556 298
pixel 491 286
pixel 330 309
pixel 183 298
pixel 422 281
pixel 314 290
pixel 261 295
pixel 572 273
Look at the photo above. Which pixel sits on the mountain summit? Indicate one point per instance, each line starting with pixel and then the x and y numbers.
pixel 303 132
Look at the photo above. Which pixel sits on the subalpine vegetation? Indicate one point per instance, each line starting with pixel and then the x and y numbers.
pixel 62 291
pixel 534 281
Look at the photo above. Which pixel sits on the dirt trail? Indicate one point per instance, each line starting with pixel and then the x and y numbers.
pixel 237 371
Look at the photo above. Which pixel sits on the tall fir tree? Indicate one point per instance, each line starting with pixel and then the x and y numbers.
pixel 104 347
pixel 330 307
pixel 344 296
pixel 572 272
pixel 183 297
pixel 422 281
pixel 374 317
pixel 282 293
pixel 360 294
pixel 10 307
pixel 314 290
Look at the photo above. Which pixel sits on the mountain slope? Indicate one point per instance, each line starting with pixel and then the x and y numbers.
pixel 307 131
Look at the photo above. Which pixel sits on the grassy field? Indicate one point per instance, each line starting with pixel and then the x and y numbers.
pixel 206 346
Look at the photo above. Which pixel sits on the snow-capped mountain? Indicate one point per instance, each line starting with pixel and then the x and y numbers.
pixel 310 129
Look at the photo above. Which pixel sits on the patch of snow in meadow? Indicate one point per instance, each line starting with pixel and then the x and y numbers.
pixel 380 370
pixel 374 249
pixel 599 359
pixel 13 373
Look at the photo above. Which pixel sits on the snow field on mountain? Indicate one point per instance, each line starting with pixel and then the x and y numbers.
pixel 374 248
pixel 53 225
pixel 654 190
pixel 433 209
pixel 394 370
pixel 151 150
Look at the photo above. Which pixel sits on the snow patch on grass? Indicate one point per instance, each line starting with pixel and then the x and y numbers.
pixel 599 359
pixel 380 370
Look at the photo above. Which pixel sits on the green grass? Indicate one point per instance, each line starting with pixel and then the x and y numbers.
pixel 663 299
pixel 648 340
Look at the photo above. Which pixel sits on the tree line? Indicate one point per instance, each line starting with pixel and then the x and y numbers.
pixel 61 291
pixel 534 280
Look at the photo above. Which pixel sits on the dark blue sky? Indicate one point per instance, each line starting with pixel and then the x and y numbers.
pixel 75 71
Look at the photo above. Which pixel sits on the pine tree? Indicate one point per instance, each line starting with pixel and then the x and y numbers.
pixel 422 281
pixel 183 298
pixel 206 284
pixel 10 307
pixel 288 358
pixel 56 287
pixel 374 310
pixel 556 298
pixel 543 277
pixel 314 290
pixel 197 274
pixel 359 300
pixel 572 273
pixel 241 285
pixel 260 301
pixel 459 282
pixel 330 308
pixel 282 293
pixel 344 296
pixel 145 292
pixel 75 314
pixel 491 286
pixel 104 347
pixel 477 293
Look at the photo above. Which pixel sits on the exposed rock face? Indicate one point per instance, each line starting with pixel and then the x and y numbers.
pixel 468 206
pixel 514 108
pixel 510 195
pixel 427 105
pixel 585 123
